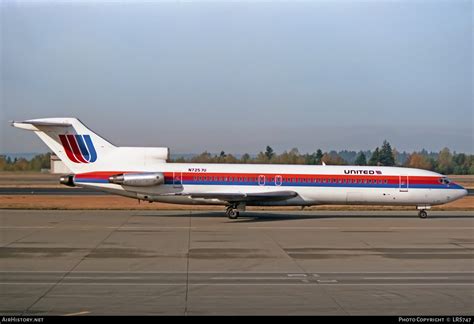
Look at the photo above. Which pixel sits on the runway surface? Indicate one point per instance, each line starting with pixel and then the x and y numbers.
pixel 183 262
pixel 71 191
pixel 50 191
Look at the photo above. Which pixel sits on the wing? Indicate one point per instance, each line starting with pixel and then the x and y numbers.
pixel 244 197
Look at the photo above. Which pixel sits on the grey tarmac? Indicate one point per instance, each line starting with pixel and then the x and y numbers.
pixel 265 263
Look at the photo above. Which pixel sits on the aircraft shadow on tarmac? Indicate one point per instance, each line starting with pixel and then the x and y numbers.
pixel 253 217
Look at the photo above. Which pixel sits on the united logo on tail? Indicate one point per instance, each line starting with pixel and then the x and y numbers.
pixel 79 148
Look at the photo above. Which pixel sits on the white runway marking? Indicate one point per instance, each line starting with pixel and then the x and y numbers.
pixel 296 275
pixel 255 278
pixel 250 272
pixel 25 227
pixel 358 228
pixel 235 284
pixel 410 278
pixel 79 313
pixel 105 278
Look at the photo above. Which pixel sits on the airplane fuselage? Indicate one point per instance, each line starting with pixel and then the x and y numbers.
pixel 314 185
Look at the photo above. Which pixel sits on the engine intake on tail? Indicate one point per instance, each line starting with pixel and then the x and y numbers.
pixel 138 179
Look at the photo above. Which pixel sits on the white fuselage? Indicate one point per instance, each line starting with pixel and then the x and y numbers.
pixel 314 185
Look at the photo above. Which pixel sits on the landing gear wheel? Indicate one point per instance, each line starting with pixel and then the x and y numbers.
pixel 232 213
pixel 422 214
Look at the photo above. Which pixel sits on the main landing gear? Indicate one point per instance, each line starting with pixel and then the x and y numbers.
pixel 233 209
pixel 232 212
pixel 423 214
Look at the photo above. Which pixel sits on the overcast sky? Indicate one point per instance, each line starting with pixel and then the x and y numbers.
pixel 238 76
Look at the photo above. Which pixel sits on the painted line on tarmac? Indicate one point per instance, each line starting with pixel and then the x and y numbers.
pixel 25 227
pixel 250 272
pixel 357 228
pixel 79 313
pixel 254 278
pixel 407 278
pixel 297 275
pixel 235 284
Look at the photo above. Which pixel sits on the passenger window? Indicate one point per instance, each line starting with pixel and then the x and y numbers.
pixel 200 178
pixel 385 181
pixel 225 178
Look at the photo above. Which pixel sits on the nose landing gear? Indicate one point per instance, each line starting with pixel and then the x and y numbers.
pixel 422 214
pixel 422 210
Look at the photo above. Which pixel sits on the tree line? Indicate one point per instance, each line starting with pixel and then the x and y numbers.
pixel 37 163
pixel 445 161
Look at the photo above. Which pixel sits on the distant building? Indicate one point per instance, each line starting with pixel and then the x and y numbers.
pixel 58 166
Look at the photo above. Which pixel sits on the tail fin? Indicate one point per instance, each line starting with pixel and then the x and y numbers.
pixel 76 145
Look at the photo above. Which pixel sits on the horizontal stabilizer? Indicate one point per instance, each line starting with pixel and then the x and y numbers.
pixel 28 123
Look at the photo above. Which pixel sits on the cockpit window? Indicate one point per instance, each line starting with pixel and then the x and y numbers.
pixel 444 180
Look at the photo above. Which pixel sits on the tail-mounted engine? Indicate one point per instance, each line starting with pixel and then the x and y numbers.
pixel 67 180
pixel 138 179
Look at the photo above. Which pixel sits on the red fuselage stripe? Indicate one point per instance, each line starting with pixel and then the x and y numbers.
pixel 269 177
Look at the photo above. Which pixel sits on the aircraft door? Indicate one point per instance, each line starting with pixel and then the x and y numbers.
pixel 403 183
pixel 177 179
pixel 278 180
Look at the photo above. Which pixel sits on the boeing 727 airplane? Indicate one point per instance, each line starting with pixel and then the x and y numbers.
pixel 143 173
